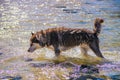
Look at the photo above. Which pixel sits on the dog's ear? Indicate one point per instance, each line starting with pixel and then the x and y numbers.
pixel 101 20
pixel 32 33
pixel 37 37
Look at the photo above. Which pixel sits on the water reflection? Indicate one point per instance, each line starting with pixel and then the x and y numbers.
pixel 22 15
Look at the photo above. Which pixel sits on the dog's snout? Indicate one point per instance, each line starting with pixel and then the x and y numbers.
pixel 28 50
pixel 31 49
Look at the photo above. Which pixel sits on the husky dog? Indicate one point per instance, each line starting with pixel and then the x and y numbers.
pixel 64 38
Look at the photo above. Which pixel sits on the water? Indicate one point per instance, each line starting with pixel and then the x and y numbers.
pixel 18 18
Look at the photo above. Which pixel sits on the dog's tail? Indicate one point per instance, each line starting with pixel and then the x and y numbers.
pixel 97 26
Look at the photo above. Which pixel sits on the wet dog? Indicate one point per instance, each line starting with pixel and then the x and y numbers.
pixel 64 38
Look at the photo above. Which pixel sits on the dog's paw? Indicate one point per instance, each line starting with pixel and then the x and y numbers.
pixel 104 60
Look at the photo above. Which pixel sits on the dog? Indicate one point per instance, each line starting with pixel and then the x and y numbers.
pixel 63 38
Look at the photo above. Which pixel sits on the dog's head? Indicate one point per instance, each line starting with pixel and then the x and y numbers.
pixel 37 40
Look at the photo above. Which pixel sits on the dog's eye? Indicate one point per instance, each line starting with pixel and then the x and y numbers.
pixel 35 40
pixel 31 44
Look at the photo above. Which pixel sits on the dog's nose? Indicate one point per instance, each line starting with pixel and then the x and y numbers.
pixel 28 50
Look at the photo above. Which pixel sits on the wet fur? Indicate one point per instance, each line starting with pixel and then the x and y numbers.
pixel 64 38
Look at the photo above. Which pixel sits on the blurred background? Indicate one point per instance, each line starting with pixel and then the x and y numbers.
pixel 18 18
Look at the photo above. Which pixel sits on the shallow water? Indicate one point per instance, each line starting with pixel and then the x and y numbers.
pixel 18 18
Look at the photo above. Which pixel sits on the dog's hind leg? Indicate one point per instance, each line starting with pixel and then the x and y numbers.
pixel 84 51
pixel 95 48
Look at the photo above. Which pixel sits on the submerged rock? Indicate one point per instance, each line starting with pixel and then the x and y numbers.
pixel 83 69
pixel 40 64
pixel 88 77
pixel 11 78
pixel 89 69
pixel 67 65
pixel 28 59
pixel 17 78
pixel 7 77
pixel 1 53
pixel 115 77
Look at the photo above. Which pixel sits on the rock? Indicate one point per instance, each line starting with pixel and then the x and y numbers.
pixel 84 66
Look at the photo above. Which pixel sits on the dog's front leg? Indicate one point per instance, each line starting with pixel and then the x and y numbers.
pixel 57 50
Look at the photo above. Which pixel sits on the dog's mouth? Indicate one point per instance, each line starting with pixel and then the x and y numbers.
pixel 32 49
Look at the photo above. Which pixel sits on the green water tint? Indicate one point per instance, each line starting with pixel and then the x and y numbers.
pixel 51 68
pixel 89 60
pixel 63 72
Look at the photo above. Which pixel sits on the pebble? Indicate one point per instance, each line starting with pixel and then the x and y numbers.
pixel 60 6
pixel 17 78
pixel 71 10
